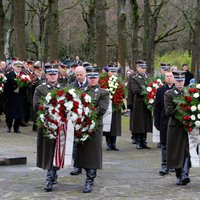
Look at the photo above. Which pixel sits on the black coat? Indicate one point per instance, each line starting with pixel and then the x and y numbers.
pixel 141 117
pixel 188 77
pixel 160 117
pixel 15 101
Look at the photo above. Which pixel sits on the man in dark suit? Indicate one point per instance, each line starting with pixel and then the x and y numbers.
pixel 161 119
pixel 89 154
pixel 178 156
pixel 15 98
pixel 80 82
pixel 140 115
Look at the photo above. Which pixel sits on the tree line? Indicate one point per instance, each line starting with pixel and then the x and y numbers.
pixel 100 31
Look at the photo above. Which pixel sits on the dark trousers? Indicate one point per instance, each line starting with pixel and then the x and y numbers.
pixel 163 156
pixel 9 123
pixel 111 141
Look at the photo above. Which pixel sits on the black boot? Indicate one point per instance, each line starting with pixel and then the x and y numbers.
pixel 89 182
pixel 178 176
pixel 54 175
pixel 108 142
pixel 185 172
pixel 144 141
pixel 113 143
pixel 138 141
pixel 76 171
pixel 49 185
pixel 133 138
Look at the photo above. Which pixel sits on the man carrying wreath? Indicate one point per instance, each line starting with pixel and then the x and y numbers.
pixel 178 156
pixel 45 148
pixel 89 154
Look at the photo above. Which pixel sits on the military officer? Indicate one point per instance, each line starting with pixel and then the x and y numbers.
pixel 115 129
pixel 140 115
pixel 89 155
pixel 178 156
pixel 45 148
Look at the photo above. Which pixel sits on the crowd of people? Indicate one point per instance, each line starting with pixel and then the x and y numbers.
pixel 21 104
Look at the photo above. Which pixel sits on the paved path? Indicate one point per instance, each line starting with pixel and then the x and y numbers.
pixel 127 174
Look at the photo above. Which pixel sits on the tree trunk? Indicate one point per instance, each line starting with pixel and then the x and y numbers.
pixel 2 31
pixel 122 34
pixel 100 16
pixel 52 32
pixel 19 28
pixel 197 41
pixel 89 18
pixel 134 31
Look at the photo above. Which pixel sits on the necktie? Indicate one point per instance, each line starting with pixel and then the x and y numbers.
pixel 81 85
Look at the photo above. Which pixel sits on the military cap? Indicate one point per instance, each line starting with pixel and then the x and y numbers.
pixel 164 66
pixel 179 75
pixel 51 68
pixel 141 63
pixel 18 63
pixel 73 64
pixel 92 72
pixel 37 64
pixel 85 64
pixel 112 68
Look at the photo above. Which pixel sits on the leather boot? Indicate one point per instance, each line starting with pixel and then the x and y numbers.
pixel 185 172
pixel 178 176
pixel 49 185
pixel 108 142
pixel 138 141
pixel 113 143
pixel 76 171
pixel 144 141
pixel 89 182
pixel 54 175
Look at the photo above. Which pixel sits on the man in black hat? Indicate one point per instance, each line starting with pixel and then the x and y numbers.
pixel 89 154
pixel 178 156
pixel 141 119
pixel 45 148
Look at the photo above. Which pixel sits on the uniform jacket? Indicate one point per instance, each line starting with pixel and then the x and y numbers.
pixel 160 117
pixel 45 147
pixel 177 137
pixel 89 154
pixel 15 101
pixel 141 118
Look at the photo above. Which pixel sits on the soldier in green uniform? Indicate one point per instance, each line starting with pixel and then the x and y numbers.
pixel 141 117
pixel 89 154
pixel 178 156
pixel 45 148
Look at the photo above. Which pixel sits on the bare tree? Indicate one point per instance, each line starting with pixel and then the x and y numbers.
pixel 100 16
pixel 52 32
pixel 134 30
pixel 88 13
pixel 2 31
pixel 197 40
pixel 122 34
pixel 19 28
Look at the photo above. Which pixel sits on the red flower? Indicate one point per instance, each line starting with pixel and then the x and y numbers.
pixel 188 98
pixel 41 107
pixel 60 93
pixel 83 95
